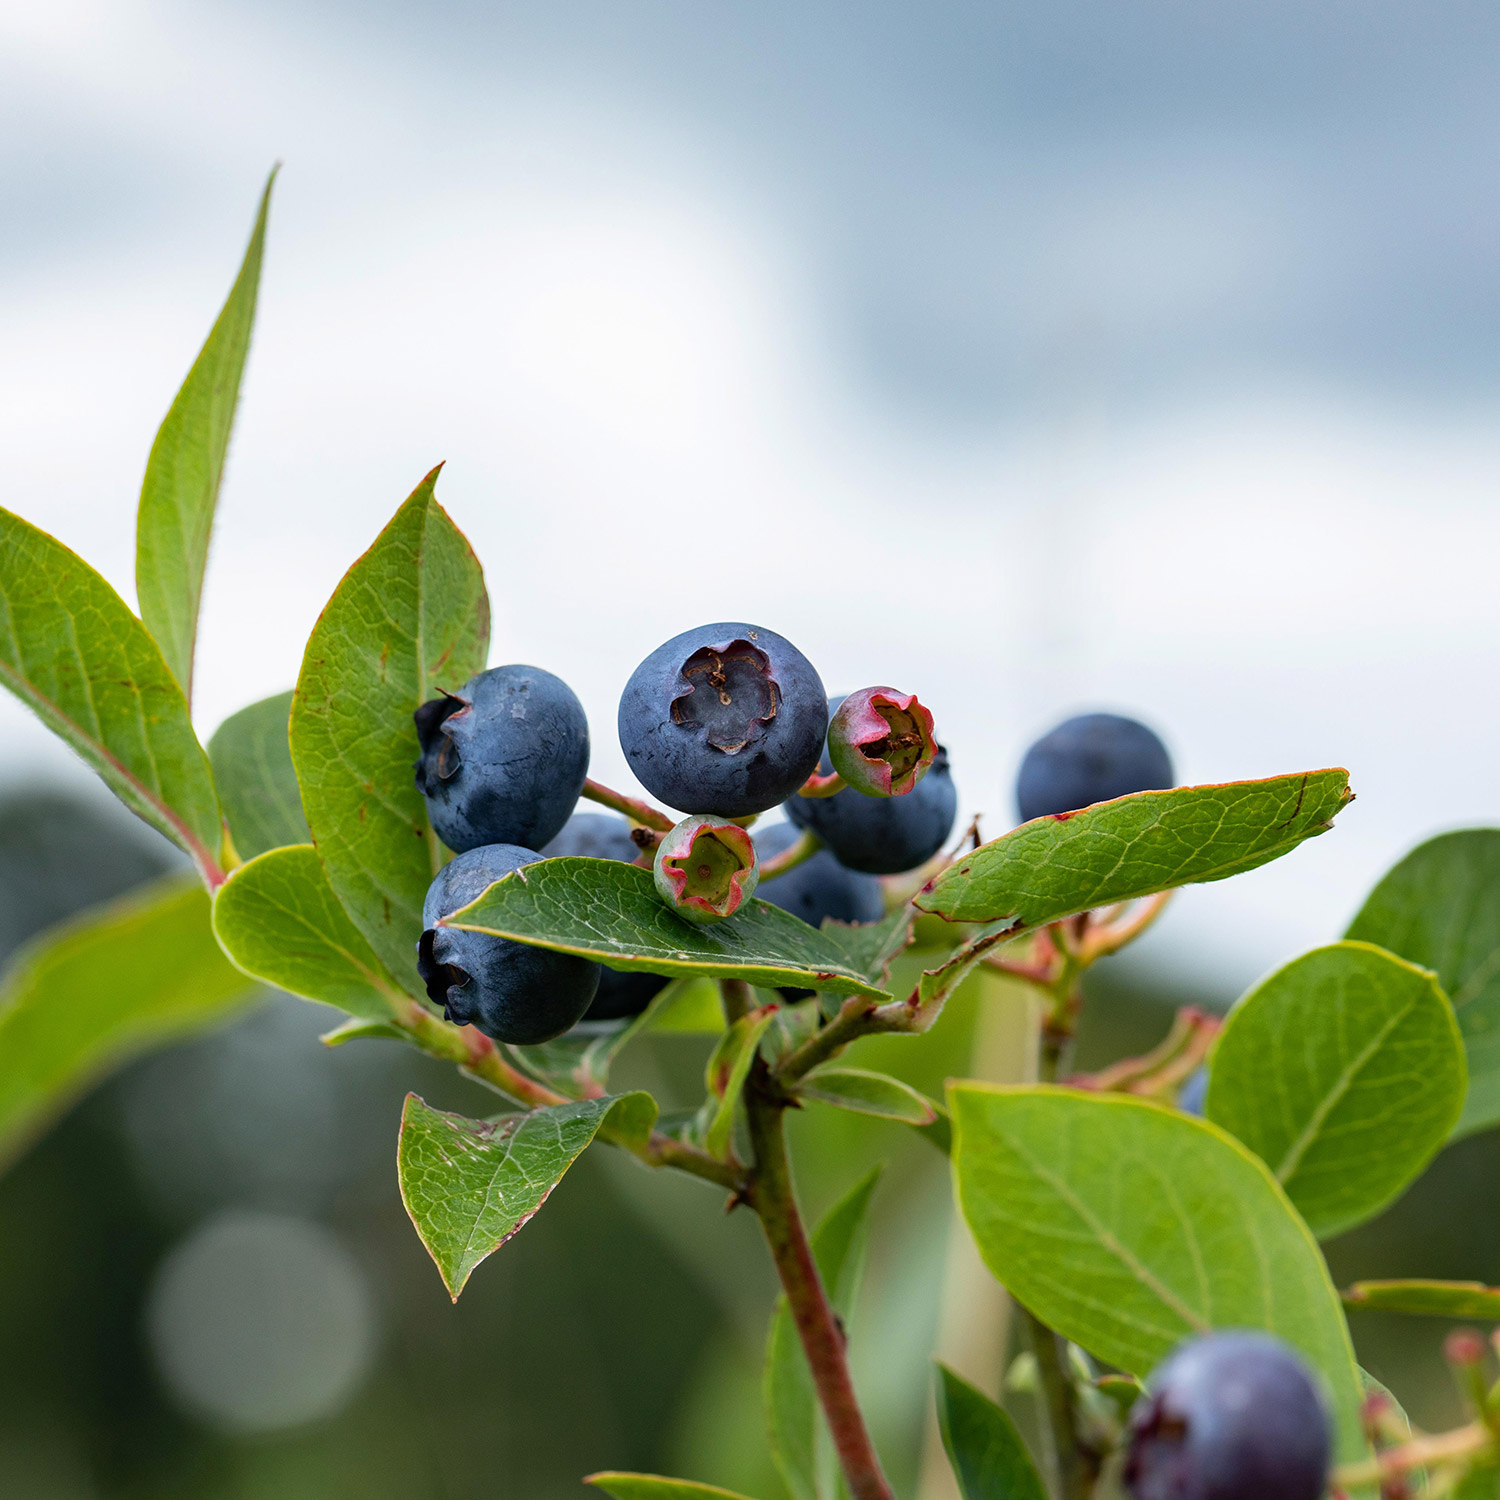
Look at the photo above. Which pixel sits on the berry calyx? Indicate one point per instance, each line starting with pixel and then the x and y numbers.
pixel 706 868
pixel 728 719
pixel 881 741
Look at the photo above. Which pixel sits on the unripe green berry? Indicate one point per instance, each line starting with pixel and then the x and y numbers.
pixel 881 742
pixel 706 868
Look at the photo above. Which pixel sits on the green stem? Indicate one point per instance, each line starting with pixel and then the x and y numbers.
pixel 774 1200
pixel 1072 1463
pixel 1062 1412
pixel 737 999
pixel 792 856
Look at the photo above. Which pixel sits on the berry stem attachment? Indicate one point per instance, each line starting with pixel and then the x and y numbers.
pixel 772 1196
pixel 821 786
pixel 792 856
pixel 633 807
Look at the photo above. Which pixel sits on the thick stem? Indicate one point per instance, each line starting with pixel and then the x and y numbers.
pixel 737 999
pixel 1062 1416
pixel 772 1197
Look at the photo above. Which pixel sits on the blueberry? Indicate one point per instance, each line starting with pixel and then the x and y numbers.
pixel 606 836
pixel 503 759
pixel 706 868
pixel 511 991
pixel 1193 1094
pixel 725 719
pixel 881 835
pixel 1093 758
pixel 819 887
pixel 881 741
pixel 1230 1416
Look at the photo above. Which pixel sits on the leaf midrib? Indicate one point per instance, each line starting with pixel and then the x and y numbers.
pixel 1299 1148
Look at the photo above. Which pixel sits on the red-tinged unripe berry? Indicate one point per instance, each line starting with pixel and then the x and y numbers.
pixel 706 868
pixel 881 741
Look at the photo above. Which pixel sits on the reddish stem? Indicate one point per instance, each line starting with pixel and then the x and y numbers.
pixel 772 1197
pixel 632 807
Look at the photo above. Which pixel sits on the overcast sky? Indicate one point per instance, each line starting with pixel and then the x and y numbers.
pixel 1029 357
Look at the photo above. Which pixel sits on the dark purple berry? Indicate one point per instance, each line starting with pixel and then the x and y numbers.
pixel 1193 1094
pixel 1230 1416
pixel 607 836
pixel 725 719
pixel 1093 758
pixel 503 759
pixel 511 991
pixel 881 835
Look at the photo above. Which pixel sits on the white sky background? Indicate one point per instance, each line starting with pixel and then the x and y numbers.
pixel 1020 389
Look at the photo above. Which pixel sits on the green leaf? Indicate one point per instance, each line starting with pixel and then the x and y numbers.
pixel 278 919
pixel 1135 846
pixel 1482 1482
pixel 728 1068
pixel 411 617
pixel 654 1487
pixel 1128 1226
pixel 1440 907
pixel 1472 1301
pixel 100 989
pixel 176 514
pixel 689 1007
pixel 72 651
pixel 469 1185
pixel 868 1093
pixel 871 947
pixel 989 1458
pixel 1344 1072
pixel 578 1062
pixel 358 1030
pixel 793 1416
pixel 251 757
pixel 609 911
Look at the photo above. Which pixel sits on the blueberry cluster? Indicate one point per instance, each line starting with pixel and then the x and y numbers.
pixel 722 723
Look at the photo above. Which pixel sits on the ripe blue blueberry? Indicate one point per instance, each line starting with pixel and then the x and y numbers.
pixel 881 835
pixel 819 887
pixel 1230 1416
pixel 1193 1094
pixel 725 719
pixel 511 991
pixel 503 759
pixel 1093 758
pixel 607 836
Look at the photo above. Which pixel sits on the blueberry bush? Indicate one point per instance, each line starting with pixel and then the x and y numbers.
pixel 400 838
